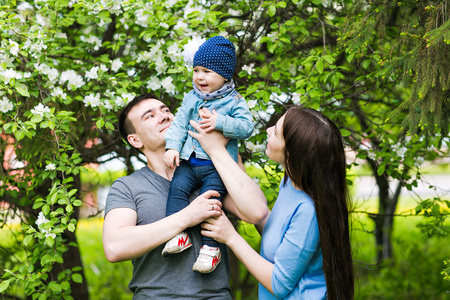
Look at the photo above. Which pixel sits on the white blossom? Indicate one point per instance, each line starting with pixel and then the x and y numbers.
pixel 50 167
pixel 6 105
pixel 40 109
pixel 52 74
pixel 48 233
pixel 35 47
pixel 255 148
pixel 372 155
pixel 116 64
pixel 296 98
pixel 124 99
pixel 141 18
pixel 144 56
pixel 41 219
pixel 249 69
pixel 24 6
pixel 167 84
pixel 14 50
pixel 92 74
pixel 10 74
pixel 154 83
pixel 58 92
pixel 92 100
pixel 74 80
pixel 44 22
pixel 252 103
pixel 402 151
pixel 174 52
pixel 27 75
pixel 161 65
pixel 103 67
pixel 164 25
pixel 419 161
pixel 170 3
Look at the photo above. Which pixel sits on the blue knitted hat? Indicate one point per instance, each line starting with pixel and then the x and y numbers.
pixel 217 54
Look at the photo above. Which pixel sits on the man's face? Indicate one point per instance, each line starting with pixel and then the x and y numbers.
pixel 151 118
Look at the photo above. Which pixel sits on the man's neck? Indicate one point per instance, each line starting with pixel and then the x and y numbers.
pixel 156 164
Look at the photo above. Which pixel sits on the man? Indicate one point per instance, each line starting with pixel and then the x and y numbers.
pixel 135 226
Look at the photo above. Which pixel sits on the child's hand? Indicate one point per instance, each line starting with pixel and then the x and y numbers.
pixel 208 122
pixel 171 158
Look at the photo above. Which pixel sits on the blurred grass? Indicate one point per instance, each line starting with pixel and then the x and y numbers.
pixel 105 280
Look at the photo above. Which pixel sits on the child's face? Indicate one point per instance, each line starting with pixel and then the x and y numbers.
pixel 207 80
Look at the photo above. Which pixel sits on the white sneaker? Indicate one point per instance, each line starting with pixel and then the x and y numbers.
pixel 177 244
pixel 207 260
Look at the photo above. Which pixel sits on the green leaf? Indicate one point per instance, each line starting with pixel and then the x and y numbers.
pixel 345 132
pixel 19 134
pixel 77 278
pixel 319 66
pixel 100 123
pixel 71 227
pixel 27 240
pixel 272 10
pixel 22 89
pixel 4 285
pixel 55 287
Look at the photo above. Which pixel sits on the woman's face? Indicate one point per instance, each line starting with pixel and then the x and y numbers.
pixel 275 142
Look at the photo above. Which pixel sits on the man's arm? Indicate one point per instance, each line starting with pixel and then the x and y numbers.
pixel 124 240
pixel 247 200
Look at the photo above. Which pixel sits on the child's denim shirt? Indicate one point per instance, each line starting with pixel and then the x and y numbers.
pixel 234 120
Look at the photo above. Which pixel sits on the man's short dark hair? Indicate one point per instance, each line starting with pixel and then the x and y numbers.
pixel 125 125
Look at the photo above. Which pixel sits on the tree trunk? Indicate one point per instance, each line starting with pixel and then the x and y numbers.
pixel 384 220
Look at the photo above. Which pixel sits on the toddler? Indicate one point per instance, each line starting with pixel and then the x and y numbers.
pixel 215 104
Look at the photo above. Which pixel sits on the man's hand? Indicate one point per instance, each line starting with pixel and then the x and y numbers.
pixel 171 158
pixel 208 122
pixel 203 207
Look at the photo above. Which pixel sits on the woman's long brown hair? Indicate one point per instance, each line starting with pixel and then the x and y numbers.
pixel 315 162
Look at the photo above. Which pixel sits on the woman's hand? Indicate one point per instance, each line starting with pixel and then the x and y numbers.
pixel 211 142
pixel 220 229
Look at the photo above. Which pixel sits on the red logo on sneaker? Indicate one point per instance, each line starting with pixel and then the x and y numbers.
pixel 216 260
pixel 182 242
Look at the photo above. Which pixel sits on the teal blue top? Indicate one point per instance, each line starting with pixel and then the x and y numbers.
pixel 290 240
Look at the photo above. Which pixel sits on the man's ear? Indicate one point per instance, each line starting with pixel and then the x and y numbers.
pixel 134 140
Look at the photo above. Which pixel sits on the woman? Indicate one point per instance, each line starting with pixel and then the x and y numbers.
pixel 305 245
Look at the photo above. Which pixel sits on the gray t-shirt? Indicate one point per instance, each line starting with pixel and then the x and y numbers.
pixel 154 276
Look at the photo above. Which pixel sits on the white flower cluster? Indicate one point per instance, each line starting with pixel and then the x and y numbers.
pixel 252 103
pixel 50 167
pixel 295 98
pixel 109 100
pixel 113 6
pixel 92 73
pixel 73 80
pixel 43 220
pixel 6 105
pixel 35 47
pixel 249 69
pixel 92 39
pixel 14 49
pixel 255 148
pixel 51 73
pixel 9 74
pixel 167 83
pixel 40 109
pixel 142 17
pixel 116 65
